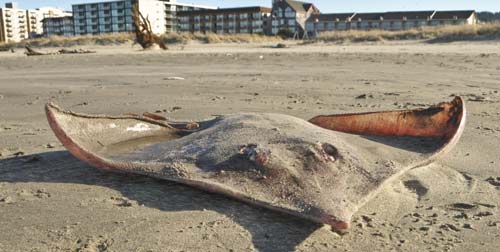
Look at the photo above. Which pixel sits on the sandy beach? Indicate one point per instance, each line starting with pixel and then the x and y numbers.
pixel 50 201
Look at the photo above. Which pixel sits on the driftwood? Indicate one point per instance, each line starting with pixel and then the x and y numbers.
pixel 143 31
pixel 75 51
pixel 31 52
pixel 6 49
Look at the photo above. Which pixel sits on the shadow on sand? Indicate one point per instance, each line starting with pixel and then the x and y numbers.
pixel 270 231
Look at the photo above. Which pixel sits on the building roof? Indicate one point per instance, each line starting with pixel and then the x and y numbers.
pixel 368 16
pixel 225 11
pixel 301 7
pixel 331 17
pixel 453 14
pixel 408 15
pixel 394 15
pixel 47 19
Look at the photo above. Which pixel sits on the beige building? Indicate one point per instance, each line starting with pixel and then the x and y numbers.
pixel 13 23
pixel 17 24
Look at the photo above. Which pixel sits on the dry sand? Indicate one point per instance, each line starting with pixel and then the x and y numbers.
pixel 49 201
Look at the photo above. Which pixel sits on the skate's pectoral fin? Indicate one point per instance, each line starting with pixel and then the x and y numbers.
pixel 97 138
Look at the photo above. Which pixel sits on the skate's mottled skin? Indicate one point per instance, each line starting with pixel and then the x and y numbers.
pixel 323 169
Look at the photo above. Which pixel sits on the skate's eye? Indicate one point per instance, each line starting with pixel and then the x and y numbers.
pixel 330 150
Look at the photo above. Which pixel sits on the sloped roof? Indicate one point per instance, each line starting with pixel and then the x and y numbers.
pixel 224 11
pixel 452 14
pixel 395 15
pixel 409 15
pixel 300 6
pixel 330 17
pixel 368 16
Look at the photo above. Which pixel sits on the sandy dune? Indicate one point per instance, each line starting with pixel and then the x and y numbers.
pixel 49 201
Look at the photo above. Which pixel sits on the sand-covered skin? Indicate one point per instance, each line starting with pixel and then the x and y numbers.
pixel 49 201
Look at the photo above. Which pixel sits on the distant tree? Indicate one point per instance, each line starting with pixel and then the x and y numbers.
pixel 486 16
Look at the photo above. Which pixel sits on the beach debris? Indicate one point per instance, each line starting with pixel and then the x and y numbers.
pixel 174 78
pixel 18 154
pixel 32 52
pixel 6 200
pixel 154 116
pixel 304 168
pixel 75 51
pixel 493 181
pixel 281 46
pixel 144 34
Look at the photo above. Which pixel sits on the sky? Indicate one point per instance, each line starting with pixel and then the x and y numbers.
pixel 326 6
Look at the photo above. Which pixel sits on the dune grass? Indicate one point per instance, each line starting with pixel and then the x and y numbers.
pixel 212 38
pixel 57 41
pixel 439 34
pixel 124 38
pixel 429 34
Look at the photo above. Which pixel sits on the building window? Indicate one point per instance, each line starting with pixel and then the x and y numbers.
pixel 289 13
pixel 280 12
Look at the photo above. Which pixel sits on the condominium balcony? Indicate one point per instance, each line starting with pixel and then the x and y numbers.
pixel 104 7
pixel 117 5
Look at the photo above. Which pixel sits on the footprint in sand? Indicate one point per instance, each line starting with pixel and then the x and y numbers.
pixel 416 187
pixel 494 182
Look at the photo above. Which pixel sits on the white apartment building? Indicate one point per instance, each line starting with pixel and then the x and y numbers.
pixel 58 26
pixel 17 24
pixel 13 23
pixel 37 16
pixel 116 16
